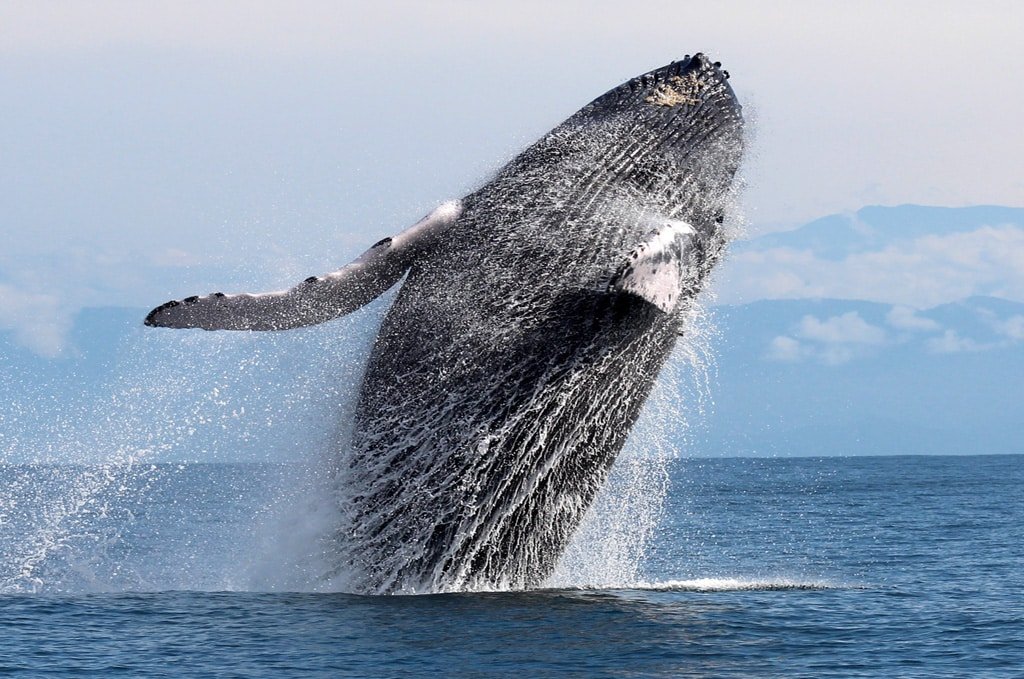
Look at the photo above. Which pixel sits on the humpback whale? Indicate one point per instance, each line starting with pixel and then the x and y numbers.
pixel 532 320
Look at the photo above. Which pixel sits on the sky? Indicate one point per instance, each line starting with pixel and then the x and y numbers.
pixel 154 150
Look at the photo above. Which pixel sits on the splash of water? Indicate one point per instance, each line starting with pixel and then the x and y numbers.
pixel 610 547
pixel 90 504
pixel 728 585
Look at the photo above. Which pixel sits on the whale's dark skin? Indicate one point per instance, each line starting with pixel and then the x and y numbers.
pixel 533 320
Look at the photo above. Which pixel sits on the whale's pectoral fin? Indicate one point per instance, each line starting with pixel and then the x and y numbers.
pixel 318 298
pixel 659 268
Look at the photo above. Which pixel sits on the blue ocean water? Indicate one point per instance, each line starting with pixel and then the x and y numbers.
pixel 868 566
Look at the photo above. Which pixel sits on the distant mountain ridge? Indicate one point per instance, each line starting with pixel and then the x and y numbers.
pixel 875 226
pixel 919 256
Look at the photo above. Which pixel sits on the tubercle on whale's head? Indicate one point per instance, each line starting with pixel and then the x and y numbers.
pixel 692 83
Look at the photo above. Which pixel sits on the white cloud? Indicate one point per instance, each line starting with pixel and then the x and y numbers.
pixel 40 295
pixel 919 273
pixel 848 328
pixel 905 318
pixel 951 342
pixel 785 349
pixel 832 341
pixel 837 354
pixel 1012 328
pixel 36 319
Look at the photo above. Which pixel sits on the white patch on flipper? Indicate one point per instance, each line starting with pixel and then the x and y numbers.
pixel 656 269
pixel 318 298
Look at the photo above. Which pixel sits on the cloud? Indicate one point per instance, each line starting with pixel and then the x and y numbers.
pixel 36 319
pixel 40 294
pixel 837 355
pixel 785 349
pixel 921 272
pixel 906 318
pixel 832 341
pixel 951 342
pixel 1012 327
pixel 848 328
pixel 1008 332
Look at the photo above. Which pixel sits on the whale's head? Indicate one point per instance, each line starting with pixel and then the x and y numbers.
pixel 677 133
pixel 681 106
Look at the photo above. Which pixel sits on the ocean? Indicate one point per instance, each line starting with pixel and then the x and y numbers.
pixel 798 567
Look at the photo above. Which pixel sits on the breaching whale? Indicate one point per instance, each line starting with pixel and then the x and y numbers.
pixel 534 316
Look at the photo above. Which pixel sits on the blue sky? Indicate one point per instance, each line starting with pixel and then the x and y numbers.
pixel 156 150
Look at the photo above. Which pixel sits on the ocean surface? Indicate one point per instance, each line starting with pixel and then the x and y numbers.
pixel 866 566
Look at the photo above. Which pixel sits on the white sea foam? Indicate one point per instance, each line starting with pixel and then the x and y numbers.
pixel 734 585
pixel 713 584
